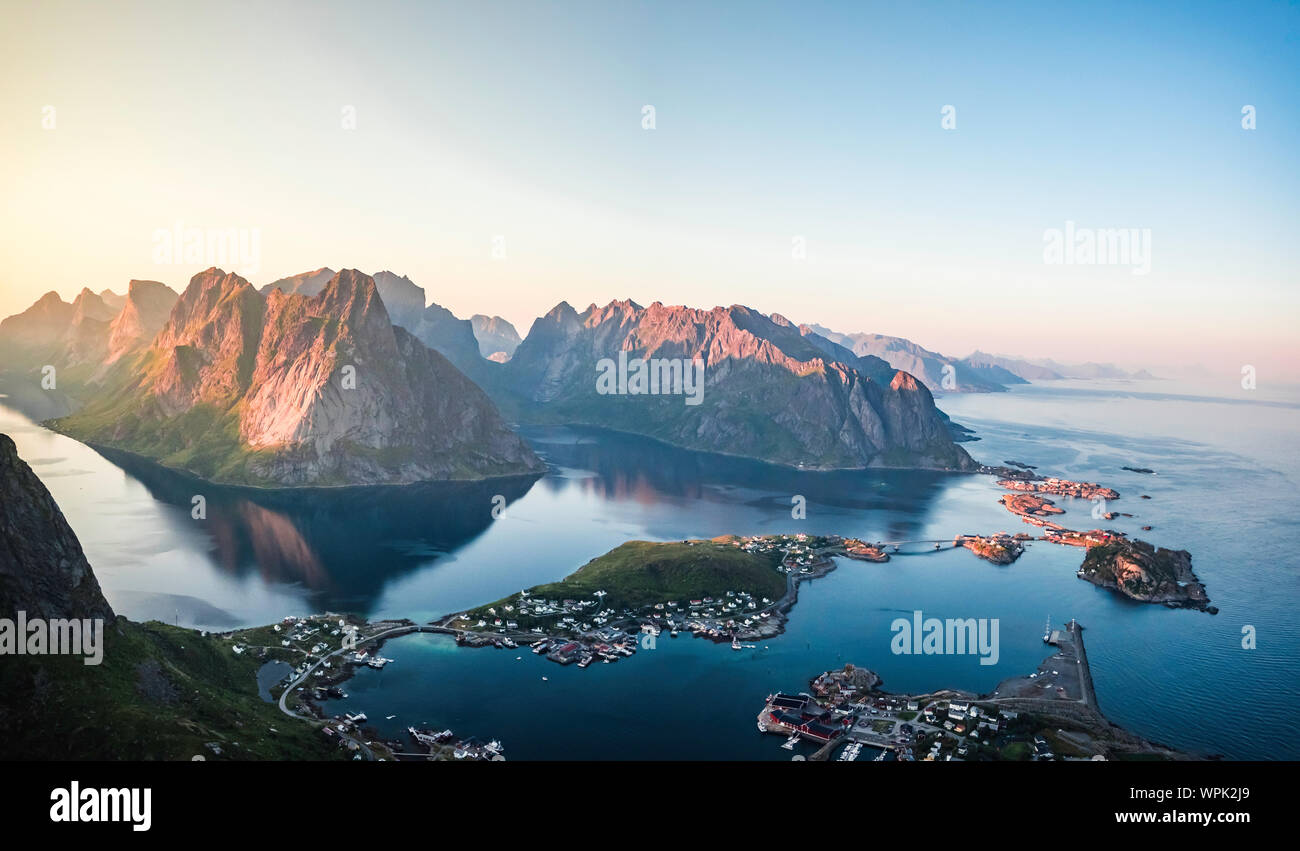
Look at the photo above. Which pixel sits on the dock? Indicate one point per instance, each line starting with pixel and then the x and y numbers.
pixel 1087 693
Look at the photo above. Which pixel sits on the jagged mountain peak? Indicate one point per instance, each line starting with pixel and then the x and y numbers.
pixel 306 283
pixel 287 389
pixel 561 310
pixel 497 338
pixel 769 391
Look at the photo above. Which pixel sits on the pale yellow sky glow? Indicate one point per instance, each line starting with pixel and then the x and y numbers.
pixel 470 130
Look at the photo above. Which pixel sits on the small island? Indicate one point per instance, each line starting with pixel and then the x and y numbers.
pixel 1147 573
pixel 725 589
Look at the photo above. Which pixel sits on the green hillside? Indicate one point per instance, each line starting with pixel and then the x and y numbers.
pixel 161 693
pixel 641 573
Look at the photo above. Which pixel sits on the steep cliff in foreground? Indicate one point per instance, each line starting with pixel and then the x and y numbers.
pixel 770 391
pixel 157 692
pixel 43 571
pixel 285 390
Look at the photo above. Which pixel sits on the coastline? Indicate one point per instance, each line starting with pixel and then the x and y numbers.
pixel 1050 714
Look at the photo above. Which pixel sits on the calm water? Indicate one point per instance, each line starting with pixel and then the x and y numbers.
pixel 1225 490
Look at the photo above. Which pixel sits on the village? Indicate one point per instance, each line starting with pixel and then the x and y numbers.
pixel 844 712
pixel 583 631
pixel 317 654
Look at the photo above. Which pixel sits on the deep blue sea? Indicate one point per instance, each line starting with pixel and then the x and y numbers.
pixel 1224 488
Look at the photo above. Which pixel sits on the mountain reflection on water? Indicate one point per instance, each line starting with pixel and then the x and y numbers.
pixel 341 544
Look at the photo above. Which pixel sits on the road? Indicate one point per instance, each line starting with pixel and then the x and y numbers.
pixel 364 748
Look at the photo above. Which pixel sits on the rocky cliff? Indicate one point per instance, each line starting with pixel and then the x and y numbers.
pixel 83 339
pixel 405 301
pixel 152 691
pixel 43 571
pixel 286 390
pixel 37 331
pixel 1143 572
pixel 144 311
pixel 769 392
pixel 496 337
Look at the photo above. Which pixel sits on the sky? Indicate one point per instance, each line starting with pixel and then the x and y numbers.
pixel 499 154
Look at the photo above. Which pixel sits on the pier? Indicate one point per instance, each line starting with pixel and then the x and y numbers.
pixel 1088 694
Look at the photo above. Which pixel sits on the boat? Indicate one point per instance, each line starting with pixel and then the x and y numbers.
pixel 735 643
pixel 1047 631
pixel 789 743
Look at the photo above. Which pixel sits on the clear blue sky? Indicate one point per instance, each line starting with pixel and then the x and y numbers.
pixel 772 121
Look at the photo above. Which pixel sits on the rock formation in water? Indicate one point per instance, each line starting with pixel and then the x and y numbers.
pixel 1143 572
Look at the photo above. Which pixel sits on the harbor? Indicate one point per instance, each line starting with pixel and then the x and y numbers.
pixel 1048 714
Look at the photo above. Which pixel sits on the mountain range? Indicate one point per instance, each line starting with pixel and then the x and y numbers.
pixel 406 302
pixel 287 389
pixel 497 338
pixel 769 390
pixel 336 378
pixel 85 338
pixel 978 372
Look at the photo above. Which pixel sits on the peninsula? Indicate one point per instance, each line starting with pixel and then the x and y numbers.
pixel 1050 714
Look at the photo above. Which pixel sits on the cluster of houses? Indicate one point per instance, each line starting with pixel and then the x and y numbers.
pixel 585 620
pixel 1060 487
pixel 1071 538
pixel 842 705
pixel 800 550
pixel 801 715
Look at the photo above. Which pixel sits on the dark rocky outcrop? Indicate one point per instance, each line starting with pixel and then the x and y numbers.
pixel 1143 572
pixel 43 571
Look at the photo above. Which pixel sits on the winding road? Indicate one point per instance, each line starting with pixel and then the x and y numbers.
pixel 364 748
